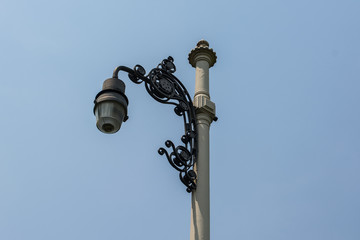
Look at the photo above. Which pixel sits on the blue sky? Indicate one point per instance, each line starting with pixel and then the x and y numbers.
pixel 285 153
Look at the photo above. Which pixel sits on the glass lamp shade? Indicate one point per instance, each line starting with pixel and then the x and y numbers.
pixel 109 116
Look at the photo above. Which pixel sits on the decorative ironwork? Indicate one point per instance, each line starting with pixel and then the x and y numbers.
pixel 165 88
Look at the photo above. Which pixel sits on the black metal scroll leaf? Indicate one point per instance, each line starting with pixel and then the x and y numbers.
pixel 165 88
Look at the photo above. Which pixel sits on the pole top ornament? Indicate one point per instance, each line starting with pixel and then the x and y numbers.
pixel 202 52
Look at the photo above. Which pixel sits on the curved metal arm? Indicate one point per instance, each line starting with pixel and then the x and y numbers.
pixel 165 88
pixel 121 68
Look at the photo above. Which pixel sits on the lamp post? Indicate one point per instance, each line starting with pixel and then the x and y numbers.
pixel 191 158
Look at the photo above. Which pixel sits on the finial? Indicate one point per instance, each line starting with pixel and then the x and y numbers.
pixel 202 43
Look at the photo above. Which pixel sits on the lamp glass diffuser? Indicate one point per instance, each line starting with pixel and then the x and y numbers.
pixel 109 116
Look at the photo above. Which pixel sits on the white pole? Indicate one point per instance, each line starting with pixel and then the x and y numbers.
pixel 202 58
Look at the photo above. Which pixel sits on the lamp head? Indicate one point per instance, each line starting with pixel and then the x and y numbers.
pixel 111 106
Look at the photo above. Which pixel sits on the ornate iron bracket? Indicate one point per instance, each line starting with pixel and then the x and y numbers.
pixel 165 88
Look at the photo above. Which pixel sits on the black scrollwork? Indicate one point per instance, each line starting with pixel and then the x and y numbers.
pixel 165 88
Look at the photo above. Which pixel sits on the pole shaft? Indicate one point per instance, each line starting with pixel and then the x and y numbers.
pixel 202 58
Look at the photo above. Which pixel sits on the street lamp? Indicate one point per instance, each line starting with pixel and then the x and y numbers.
pixel 191 159
pixel 111 110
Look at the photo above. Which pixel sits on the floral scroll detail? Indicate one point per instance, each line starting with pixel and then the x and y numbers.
pixel 165 88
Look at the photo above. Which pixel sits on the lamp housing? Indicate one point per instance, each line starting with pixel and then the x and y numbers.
pixel 111 106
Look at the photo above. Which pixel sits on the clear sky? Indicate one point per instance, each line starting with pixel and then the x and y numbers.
pixel 285 153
